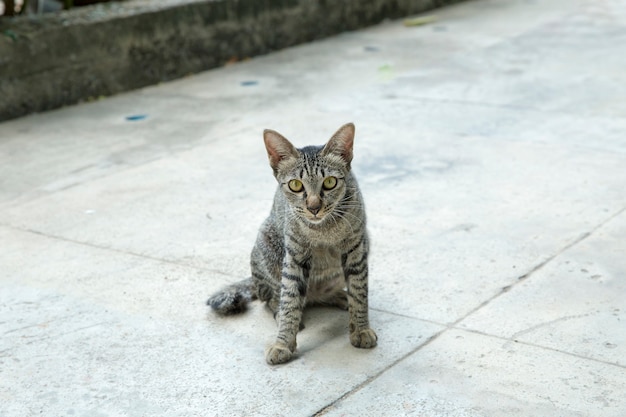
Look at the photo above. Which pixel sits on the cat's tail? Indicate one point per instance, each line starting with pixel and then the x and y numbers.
pixel 234 298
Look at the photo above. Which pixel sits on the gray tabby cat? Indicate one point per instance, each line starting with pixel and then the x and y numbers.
pixel 312 247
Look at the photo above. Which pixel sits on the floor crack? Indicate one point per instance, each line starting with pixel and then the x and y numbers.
pixel 540 265
pixel 120 251
pixel 329 406
pixel 515 336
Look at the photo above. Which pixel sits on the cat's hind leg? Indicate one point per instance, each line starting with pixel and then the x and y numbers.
pixel 339 299
pixel 269 295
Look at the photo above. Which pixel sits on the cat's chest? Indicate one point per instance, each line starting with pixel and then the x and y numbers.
pixel 325 263
pixel 328 236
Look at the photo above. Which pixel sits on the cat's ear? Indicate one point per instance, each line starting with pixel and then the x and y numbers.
pixel 278 148
pixel 341 143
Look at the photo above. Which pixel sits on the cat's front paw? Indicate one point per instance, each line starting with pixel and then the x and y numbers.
pixel 365 338
pixel 278 353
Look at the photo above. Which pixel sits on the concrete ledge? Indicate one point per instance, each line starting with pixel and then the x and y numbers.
pixel 94 51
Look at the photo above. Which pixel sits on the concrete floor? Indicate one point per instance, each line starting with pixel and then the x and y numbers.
pixel 491 150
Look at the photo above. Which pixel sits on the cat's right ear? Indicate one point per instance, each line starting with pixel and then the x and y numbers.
pixel 278 148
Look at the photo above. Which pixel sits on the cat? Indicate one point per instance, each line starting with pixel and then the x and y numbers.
pixel 313 248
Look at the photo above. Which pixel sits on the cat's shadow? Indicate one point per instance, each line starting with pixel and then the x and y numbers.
pixel 321 325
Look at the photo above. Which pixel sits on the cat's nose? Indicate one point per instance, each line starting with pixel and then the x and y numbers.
pixel 315 208
pixel 313 204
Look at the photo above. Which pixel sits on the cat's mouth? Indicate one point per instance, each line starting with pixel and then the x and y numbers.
pixel 320 217
pixel 315 218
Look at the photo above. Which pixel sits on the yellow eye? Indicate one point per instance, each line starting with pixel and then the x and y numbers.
pixel 295 186
pixel 329 183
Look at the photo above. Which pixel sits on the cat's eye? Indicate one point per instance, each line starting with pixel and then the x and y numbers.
pixel 295 185
pixel 329 183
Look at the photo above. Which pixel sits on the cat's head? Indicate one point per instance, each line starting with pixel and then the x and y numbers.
pixel 313 179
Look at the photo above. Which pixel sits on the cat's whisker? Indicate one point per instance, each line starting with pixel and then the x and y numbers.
pixel 341 216
pixel 349 213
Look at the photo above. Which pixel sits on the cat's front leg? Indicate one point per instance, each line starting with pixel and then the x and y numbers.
pixel 356 273
pixel 294 282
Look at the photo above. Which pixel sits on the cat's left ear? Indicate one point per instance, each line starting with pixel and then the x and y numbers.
pixel 341 143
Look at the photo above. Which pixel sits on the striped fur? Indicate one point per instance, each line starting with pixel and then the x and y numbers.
pixel 313 247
